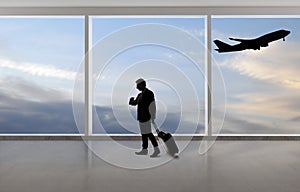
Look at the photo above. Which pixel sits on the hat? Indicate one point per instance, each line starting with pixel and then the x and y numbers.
pixel 140 80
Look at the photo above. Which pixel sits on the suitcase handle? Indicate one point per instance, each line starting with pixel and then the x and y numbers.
pixel 155 126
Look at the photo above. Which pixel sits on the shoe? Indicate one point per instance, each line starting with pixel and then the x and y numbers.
pixel 142 152
pixel 155 153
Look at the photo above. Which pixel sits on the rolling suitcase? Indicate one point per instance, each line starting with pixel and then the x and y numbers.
pixel 169 141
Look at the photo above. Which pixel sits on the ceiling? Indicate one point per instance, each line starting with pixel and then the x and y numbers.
pixel 146 3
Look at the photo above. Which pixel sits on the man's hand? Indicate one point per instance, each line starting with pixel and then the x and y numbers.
pixel 131 101
pixel 153 120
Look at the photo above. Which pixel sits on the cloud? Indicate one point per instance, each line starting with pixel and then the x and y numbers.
pixel 247 121
pixel 23 116
pixel 27 108
pixel 110 122
pixel 297 118
pixel 37 69
pixel 196 32
pixel 280 106
pixel 267 112
pixel 19 88
pixel 237 125
pixel 277 64
pixel 264 89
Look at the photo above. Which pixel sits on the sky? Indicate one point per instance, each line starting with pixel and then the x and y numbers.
pixel 40 56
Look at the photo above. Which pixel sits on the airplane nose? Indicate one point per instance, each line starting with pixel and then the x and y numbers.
pixel 287 32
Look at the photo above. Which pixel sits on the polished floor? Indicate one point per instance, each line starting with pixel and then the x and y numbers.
pixel 230 166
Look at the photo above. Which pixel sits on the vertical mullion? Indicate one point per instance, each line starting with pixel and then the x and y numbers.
pixel 208 86
pixel 87 124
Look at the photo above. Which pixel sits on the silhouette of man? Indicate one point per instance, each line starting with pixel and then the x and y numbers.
pixel 146 111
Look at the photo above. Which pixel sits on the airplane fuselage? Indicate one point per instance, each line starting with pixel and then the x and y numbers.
pixel 273 36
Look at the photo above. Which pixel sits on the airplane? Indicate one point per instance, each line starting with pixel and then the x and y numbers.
pixel 262 41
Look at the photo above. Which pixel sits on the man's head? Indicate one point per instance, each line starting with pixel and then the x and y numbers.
pixel 141 84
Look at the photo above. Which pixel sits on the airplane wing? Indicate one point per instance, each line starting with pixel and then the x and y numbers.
pixel 240 40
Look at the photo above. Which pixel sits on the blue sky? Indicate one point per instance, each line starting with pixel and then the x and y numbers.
pixel 54 44
pixel 35 39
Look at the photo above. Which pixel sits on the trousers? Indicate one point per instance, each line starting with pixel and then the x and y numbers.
pixel 145 140
pixel 147 133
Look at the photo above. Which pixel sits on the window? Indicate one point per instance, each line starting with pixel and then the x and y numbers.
pixel 262 86
pixel 39 57
pixel 157 49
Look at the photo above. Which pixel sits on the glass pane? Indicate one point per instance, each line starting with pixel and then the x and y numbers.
pixel 39 57
pixel 262 82
pixel 168 52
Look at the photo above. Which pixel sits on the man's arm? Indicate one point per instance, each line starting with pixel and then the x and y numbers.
pixel 133 101
pixel 152 107
pixel 152 110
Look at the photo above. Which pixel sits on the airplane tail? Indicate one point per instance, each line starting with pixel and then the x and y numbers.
pixel 222 46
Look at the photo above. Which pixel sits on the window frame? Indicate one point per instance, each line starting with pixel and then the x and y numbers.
pixel 153 11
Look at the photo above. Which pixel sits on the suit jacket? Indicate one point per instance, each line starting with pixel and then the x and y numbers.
pixel 146 108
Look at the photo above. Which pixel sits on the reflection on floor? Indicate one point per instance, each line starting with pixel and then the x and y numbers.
pixel 242 166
